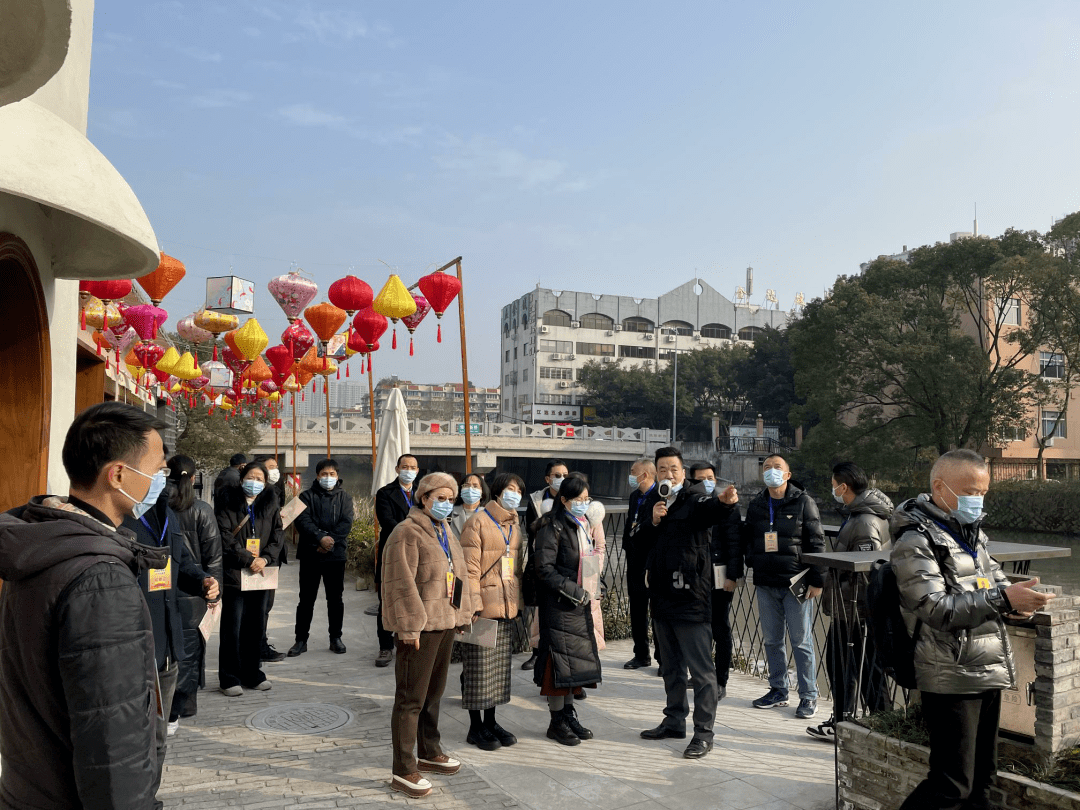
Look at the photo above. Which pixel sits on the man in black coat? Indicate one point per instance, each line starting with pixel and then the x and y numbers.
pixel 392 505
pixel 160 528
pixel 270 653
pixel 679 575
pixel 230 476
pixel 77 694
pixel 643 480
pixel 324 528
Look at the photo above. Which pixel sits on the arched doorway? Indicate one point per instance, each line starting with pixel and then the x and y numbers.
pixel 25 376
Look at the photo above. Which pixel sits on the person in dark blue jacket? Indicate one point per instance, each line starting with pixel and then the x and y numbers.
pixel 324 528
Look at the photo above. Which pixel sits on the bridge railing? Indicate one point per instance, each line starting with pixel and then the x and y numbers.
pixel 522 430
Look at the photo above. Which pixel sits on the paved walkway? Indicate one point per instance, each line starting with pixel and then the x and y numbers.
pixel 762 759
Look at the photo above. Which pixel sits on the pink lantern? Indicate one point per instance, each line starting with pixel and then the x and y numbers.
pixel 293 292
pixel 298 338
pixel 238 365
pixel 189 331
pixel 145 319
pixel 121 337
pixel 413 321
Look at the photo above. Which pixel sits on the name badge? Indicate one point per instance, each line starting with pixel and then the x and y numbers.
pixel 982 583
pixel 507 567
pixel 252 546
pixel 772 542
pixel 449 585
pixel 160 579
pixel 719 573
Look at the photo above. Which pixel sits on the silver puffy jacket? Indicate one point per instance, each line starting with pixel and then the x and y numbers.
pixel 962 646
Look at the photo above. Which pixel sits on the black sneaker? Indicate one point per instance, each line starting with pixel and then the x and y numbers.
pixel 774 698
pixel 299 648
pixel 270 655
pixel 825 732
pixel 636 663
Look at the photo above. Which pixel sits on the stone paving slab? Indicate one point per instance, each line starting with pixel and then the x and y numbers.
pixel 762 759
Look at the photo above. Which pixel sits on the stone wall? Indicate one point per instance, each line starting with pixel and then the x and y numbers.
pixel 878 772
pixel 1056 691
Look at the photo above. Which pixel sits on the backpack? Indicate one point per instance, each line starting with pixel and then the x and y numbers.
pixel 895 648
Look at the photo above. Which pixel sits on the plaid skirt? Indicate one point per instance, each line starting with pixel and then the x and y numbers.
pixel 487 672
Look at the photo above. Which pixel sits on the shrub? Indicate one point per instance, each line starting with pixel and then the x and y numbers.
pixel 363 540
pixel 616 612
pixel 1037 506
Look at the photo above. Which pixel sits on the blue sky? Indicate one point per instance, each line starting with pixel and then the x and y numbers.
pixel 618 147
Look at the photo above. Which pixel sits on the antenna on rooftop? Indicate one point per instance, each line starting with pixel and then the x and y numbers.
pixel 976 219
pixel 749 282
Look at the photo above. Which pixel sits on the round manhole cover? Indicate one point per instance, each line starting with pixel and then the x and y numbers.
pixel 300 718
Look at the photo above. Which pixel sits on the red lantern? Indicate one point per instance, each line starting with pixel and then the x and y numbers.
pixel 298 338
pixel 281 360
pixel 159 283
pixel 440 291
pixel 350 294
pixel 108 290
pixel 413 321
pixel 369 325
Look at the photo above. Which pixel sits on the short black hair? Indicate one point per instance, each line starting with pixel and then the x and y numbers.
pixel 255 465
pixel 326 464
pixel 847 472
pixel 404 456
pixel 667 452
pixel 503 480
pixel 571 488
pixel 102 434
pixel 780 456
pixel 555 462
pixel 485 493
pixel 237 459
pixel 698 466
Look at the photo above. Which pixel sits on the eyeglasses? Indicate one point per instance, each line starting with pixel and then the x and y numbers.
pixel 584 501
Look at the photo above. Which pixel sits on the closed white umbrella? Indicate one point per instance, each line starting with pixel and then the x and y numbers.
pixel 393 440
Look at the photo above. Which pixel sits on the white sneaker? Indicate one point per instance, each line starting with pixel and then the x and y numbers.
pixel 173 726
pixel 264 686
pixel 232 691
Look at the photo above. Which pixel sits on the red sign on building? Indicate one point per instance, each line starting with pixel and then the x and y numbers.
pixel 275 424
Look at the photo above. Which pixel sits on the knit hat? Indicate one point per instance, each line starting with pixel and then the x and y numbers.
pixel 435 480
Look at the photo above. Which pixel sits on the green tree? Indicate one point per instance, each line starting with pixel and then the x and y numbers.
pixel 765 376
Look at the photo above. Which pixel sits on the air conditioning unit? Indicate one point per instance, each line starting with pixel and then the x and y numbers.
pixel 556 357
pixel 564 384
pixel 669 338
pixel 575 324
pixel 571 357
pixel 618 327
pixel 543 330
pixel 1049 442
pixel 609 359
pixel 650 336
pixel 609 332
pixel 697 335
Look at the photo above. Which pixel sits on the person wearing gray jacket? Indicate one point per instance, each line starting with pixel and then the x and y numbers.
pixel 952 596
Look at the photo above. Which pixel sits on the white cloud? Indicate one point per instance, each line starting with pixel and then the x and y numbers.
pixel 305 115
pixel 165 84
pixel 486 158
pixel 219 98
pixel 251 31
pixel 197 53
pixel 324 24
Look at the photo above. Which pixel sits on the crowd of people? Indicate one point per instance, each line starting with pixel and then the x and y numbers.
pixel 108 592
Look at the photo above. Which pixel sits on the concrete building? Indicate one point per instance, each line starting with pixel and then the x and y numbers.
pixel 65 214
pixel 548 335
pixel 434 402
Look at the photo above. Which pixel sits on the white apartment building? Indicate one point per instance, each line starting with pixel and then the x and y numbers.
pixel 548 335
pixel 434 401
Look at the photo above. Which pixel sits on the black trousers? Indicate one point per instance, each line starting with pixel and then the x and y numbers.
pixel 331 573
pixel 242 615
pixel 639 602
pixel 721 631
pixel 843 648
pixel 167 684
pixel 687 646
pixel 963 751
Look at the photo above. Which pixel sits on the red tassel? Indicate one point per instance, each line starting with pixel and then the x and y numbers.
pixel 395 339
pixel 303 395
pixel 410 346
pixel 293 400
pixel 211 410
pixel 313 388
pixel 99 350
pixel 153 332
pixel 346 372
pixel 82 319
pixel 325 386
pixel 438 339
pixel 117 359
pixel 215 351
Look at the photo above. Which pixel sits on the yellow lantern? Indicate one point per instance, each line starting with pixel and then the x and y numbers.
pixel 186 368
pixel 168 360
pixel 394 301
pixel 249 340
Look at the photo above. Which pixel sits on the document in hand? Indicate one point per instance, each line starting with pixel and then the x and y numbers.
pixel 290 511
pixel 482 632
pixel 210 620
pixel 266 580
pixel 799 586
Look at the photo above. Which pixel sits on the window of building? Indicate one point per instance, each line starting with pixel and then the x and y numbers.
pixel 557 346
pixel 1015 433
pixel 594 320
pixel 525 374
pixel 506 405
pixel 676 328
pixel 1051 366
pixel 716 330
pixel 553 399
pixel 507 355
pixel 523 400
pixel 751 332
pixel 648 352
pixel 597 349
pixel 1009 311
pixel 515 352
pixel 1052 430
pixel 552 373
pixel 638 325
pixel 556 317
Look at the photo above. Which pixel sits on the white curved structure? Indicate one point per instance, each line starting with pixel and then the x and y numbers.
pixel 33 45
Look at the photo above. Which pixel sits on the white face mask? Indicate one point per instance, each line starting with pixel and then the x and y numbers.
pixel 556 483
pixel 273 476
pixel 407 476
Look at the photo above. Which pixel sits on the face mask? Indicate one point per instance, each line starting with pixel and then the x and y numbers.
pixel 328 481
pixel 440 510
pixel 969 508
pixel 675 488
pixel 632 481
pixel 773 477
pixel 556 483
pixel 157 484
pixel 510 500
pixel 274 476
pixel 710 486
pixel 837 498
pixel 407 476
pixel 252 487
pixel 471 495
pixel 578 509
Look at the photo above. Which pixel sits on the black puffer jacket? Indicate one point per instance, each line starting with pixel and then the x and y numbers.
pixel 230 511
pixel 77 708
pixel 865 528
pixel 329 512
pixel 798 525
pixel 566 625
pixel 679 567
pixel 203 541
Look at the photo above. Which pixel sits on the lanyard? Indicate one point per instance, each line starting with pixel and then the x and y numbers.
pixel 641 503
pixel 505 536
pixel 161 540
pixel 444 541
pixel 772 517
pixel 972 552
pixel 408 500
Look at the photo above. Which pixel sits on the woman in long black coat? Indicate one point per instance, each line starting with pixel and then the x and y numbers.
pixel 567 658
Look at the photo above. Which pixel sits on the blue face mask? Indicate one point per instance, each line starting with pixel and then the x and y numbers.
pixel 773 477
pixel 252 487
pixel 328 481
pixel 632 481
pixel 510 500
pixel 710 486
pixel 157 485
pixel 441 510
pixel 969 508
pixel 578 509
pixel 406 476
pixel 471 495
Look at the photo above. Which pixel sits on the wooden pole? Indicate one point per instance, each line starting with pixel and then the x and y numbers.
pixel 371 411
pixel 464 370
pixel 326 390
pixel 294 436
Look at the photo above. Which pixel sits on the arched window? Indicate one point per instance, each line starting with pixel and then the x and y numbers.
pixel 638 325
pixel 716 330
pixel 751 332
pixel 556 317
pixel 677 328
pixel 594 320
